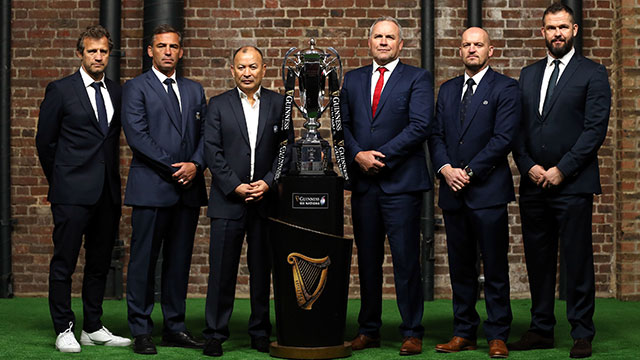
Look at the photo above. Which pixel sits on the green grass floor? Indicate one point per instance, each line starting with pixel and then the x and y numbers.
pixel 26 331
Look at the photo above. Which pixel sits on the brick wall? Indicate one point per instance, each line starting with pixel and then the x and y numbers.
pixel 43 42
pixel 627 123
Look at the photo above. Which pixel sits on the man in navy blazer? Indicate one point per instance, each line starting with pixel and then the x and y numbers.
pixel 477 118
pixel 386 115
pixel 78 145
pixel 162 119
pixel 565 113
pixel 240 148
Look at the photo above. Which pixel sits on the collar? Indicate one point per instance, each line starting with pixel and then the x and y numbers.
pixel 563 60
pixel 390 66
pixel 162 77
pixel 477 77
pixel 88 80
pixel 256 95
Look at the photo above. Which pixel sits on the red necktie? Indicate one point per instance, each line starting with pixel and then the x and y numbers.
pixel 377 91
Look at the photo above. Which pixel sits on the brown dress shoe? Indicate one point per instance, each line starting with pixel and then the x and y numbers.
pixel 411 346
pixel 498 349
pixel 363 341
pixel 581 349
pixel 456 344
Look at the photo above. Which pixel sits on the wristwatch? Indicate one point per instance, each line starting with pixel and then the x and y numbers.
pixel 468 170
pixel 198 166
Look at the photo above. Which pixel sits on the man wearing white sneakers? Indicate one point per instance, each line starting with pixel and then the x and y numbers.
pixel 78 142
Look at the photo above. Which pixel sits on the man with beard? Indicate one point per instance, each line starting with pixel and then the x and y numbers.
pixel 477 118
pixel 565 113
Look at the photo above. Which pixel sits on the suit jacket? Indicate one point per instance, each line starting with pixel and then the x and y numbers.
pixel 75 155
pixel 228 153
pixel 571 132
pixel 398 130
pixel 159 137
pixel 482 142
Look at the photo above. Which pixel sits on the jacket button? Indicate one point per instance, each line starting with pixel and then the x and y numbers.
pixel 461 142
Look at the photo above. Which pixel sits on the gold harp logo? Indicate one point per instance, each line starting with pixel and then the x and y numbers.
pixel 308 274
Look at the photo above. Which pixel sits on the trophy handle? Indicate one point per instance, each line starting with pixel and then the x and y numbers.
pixel 285 67
pixel 331 67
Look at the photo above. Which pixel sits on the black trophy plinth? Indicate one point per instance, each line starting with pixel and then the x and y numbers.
pixel 311 268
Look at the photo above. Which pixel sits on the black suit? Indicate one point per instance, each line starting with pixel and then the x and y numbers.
pixel 228 153
pixel 567 136
pixel 81 166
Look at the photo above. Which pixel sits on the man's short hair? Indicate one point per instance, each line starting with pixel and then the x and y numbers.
pixel 163 29
pixel 556 8
pixel 243 49
pixel 93 32
pixel 387 18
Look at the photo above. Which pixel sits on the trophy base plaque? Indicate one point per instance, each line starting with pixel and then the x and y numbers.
pixel 295 352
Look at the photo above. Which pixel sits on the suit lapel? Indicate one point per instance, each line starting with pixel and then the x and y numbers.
pixel 236 108
pixel 366 89
pixel 478 98
pixel 184 98
pixel 455 103
pixel 539 74
pixel 263 114
pixel 115 101
pixel 388 88
pixel 571 68
pixel 155 84
pixel 81 92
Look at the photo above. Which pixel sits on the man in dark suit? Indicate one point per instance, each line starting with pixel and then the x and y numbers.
pixel 161 118
pixel 565 113
pixel 78 144
pixel 387 109
pixel 240 150
pixel 477 118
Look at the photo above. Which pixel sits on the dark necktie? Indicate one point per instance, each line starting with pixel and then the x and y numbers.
pixel 552 85
pixel 102 110
pixel 466 100
pixel 173 98
pixel 378 91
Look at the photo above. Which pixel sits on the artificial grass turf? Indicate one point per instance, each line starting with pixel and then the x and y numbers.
pixel 26 331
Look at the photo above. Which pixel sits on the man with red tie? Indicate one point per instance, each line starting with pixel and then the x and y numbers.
pixel 387 108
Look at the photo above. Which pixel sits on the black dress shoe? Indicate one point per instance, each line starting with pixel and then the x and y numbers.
pixel 531 341
pixel 181 339
pixel 581 349
pixel 260 343
pixel 213 347
pixel 142 344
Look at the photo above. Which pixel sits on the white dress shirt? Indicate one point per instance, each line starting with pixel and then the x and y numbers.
pixel 162 77
pixel 87 81
pixel 376 75
pixel 476 78
pixel 251 116
pixel 547 74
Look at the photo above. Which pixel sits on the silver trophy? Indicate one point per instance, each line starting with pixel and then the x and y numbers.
pixel 313 67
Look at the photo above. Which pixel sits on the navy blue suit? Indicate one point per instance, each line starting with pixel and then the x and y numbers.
pixel 81 164
pixel 568 136
pixel 477 214
pixel 390 201
pixel 164 212
pixel 228 156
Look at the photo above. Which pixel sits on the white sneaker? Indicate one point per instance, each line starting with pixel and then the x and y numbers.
pixel 103 337
pixel 66 342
